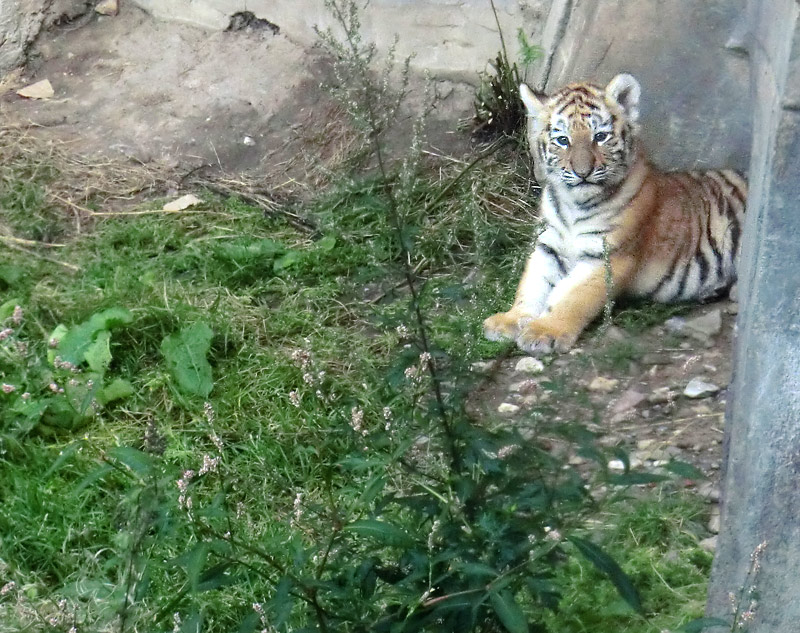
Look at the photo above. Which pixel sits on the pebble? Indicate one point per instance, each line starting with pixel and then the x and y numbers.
pixel 249 141
pixel 661 395
pixel 616 464
pixel 506 408
pixel 709 544
pixel 482 367
pixel 698 388
pixel 576 460
pixel 704 326
pixel 529 365
pixel 107 7
pixel 603 385
pixel 523 386
pixel 675 325
pixel 627 401
pixel 714 521
pixel 613 333
pixel 709 491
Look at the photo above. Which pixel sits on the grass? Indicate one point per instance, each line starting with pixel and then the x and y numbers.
pixel 309 337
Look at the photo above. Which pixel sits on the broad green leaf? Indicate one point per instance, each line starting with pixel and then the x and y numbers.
pixel 77 340
pixel 682 469
pixel 290 258
pixel 139 462
pixel 701 624
pixel 327 243
pixel 185 354
pixel 116 390
pixel 98 354
pixel 380 531
pixel 193 561
pixel 508 611
pixel 7 308
pixel 610 568
pixel 59 333
pixel 11 274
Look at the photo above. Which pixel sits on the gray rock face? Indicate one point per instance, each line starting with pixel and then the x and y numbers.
pixel 695 92
pixel 21 21
pixel 760 494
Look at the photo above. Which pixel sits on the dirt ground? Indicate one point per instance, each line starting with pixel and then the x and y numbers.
pixel 151 91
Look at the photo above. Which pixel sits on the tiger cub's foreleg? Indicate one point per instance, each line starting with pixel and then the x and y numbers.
pixel 543 271
pixel 574 303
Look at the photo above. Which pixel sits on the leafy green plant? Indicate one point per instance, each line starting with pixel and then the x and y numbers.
pixel 66 387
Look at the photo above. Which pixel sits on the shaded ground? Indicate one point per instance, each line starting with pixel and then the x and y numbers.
pixel 627 384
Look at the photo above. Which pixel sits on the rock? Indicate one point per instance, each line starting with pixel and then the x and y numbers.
pixel 645 444
pixel 698 388
pixel 481 367
pixel 107 7
pixel 576 460
pixel 40 90
pixel 714 521
pixel 603 385
pixel 661 395
pixel 529 365
pixel 705 326
pixel 506 408
pixel 709 544
pixel 523 386
pixel 184 202
pixel 675 325
pixel 529 400
pixel 709 491
pixel 249 141
pixel 629 399
pixel 613 333
pixel 616 464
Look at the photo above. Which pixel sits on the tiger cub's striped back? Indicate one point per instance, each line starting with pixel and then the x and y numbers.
pixel 609 213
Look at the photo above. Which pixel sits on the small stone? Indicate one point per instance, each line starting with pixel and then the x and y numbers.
pixel 506 408
pixel 714 521
pixel 644 444
pixel 704 326
pixel 627 401
pixel 698 388
pixel 675 325
pixel 107 7
pixel 576 460
pixel 709 491
pixel 523 386
pixel 529 400
pixel 249 141
pixel 661 395
pixel 481 367
pixel 613 333
pixel 709 544
pixel 616 464
pixel 529 365
pixel 603 385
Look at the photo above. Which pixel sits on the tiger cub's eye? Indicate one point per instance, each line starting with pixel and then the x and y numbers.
pixel 563 141
pixel 599 137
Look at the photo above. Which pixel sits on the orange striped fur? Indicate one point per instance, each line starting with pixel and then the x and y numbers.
pixel 610 215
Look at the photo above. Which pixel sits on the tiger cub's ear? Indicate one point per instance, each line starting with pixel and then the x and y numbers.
pixel 532 103
pixel 625 91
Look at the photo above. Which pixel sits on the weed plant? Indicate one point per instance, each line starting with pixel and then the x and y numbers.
pixel 225 422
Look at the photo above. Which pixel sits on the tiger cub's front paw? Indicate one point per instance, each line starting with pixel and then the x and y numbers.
pixel 540 336
pixel 503 326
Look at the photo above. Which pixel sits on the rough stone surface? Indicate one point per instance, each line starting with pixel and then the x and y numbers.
pixel 22 20
pixel 695 110
pixel 507 408
pixel 760 495
pixel 603 384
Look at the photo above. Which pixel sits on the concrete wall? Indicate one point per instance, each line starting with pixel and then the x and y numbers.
pixel 695 90
pixel 761 497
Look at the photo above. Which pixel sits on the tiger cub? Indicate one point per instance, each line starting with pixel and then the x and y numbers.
pixel 613 224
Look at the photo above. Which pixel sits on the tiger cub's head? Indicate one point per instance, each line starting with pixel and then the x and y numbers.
pixel 582 137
